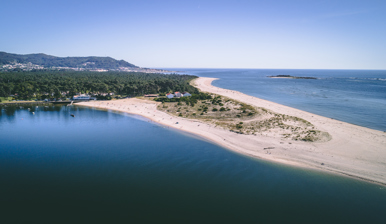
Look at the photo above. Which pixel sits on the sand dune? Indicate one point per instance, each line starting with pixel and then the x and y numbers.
pixel 353 150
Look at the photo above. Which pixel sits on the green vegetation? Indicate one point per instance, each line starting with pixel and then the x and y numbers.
pixel 208 107
pixel 242 118
pixel 5 99
pixel 43 84
pixel 190 100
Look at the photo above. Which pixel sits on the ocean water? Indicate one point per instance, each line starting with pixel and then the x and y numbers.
pixel 353 96
pixel 109 167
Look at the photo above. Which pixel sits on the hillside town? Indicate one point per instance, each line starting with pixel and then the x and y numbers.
pixel 15 66
pixel 24 67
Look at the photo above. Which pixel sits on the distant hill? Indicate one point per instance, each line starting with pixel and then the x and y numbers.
pixel 48 61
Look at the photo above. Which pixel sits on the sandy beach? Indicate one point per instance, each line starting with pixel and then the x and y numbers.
pixel 352 151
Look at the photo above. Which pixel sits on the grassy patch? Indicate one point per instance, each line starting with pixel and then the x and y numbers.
pixel 242 118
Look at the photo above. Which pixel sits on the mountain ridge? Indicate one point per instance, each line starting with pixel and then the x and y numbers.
pixel 44 61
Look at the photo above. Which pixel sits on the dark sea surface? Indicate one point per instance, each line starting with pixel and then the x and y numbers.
pixel 108 167
pixel 353 96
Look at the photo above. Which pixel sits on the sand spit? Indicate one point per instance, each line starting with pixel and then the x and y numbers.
pixel 352 151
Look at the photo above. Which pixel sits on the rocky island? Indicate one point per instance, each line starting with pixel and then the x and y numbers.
pixel 290 77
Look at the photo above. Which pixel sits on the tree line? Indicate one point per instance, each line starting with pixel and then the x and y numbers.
pixel 39 84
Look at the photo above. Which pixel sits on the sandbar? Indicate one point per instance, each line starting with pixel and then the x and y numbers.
pixel 352 151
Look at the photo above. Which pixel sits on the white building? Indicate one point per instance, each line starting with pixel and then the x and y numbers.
pixel 81 97
pixel 177 94
pixel 186 94
pixel 169 95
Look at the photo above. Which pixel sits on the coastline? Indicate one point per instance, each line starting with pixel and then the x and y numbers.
pixel 353 151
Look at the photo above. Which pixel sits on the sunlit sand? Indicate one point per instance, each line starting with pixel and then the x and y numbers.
pixel 352 150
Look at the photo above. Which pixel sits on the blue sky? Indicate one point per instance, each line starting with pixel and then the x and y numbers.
pixel 309 34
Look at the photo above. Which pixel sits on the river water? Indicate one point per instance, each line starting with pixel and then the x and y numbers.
pixel 109 167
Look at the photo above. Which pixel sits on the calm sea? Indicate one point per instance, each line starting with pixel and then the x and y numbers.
pixel 107 167
pixel 353 96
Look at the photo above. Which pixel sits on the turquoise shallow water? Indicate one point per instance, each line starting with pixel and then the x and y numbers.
pixel 353 96
pixel 106 167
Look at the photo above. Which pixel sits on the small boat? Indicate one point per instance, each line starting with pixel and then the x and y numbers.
pixel 72 115
pixel 33 112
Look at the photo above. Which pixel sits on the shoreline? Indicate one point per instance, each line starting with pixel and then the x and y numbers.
pixel 353 151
